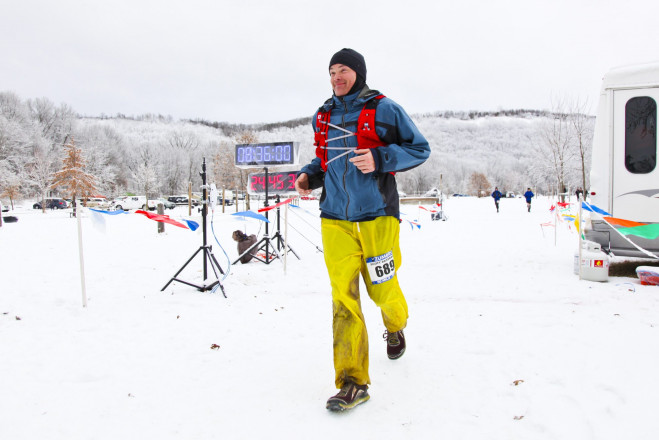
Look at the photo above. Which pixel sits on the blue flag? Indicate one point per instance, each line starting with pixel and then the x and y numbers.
pixel 251 214
pixel 593 208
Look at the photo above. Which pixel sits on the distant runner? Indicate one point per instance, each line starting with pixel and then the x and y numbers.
pixel 496 195
pixel 528 195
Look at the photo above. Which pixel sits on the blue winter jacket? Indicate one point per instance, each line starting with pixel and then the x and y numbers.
pixel 349 194
pixel 529 195
pixel 497 195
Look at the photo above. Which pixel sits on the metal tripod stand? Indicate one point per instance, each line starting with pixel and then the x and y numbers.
pixel 205 249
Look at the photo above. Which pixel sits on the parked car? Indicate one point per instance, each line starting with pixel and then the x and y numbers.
pixel 128 203
pixel 153 204
pixel 97 202
pixel 174 199
pixel 178 200
pixel 52 203
pixel 227 200
pixel 5 208
pixel 228 197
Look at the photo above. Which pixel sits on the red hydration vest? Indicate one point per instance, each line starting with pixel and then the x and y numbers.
pixel 366 135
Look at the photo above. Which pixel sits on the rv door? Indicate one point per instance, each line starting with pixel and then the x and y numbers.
pixel 635 177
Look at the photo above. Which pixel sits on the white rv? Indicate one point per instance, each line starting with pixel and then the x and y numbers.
pixel 624 178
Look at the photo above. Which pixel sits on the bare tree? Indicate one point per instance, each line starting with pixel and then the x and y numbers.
pixel 187 143
pixel 102 147
pixel 54 123
pixel 224 173
pixel 557 147
pixel 583 133
pixel 478 184
pixel 146 179
pixel 10 185
pixel 40 170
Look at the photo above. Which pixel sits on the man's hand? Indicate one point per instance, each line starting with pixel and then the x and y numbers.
pixel 302 185
pixel 364 161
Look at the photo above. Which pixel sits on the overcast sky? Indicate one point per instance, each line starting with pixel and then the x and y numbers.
pixel 267 60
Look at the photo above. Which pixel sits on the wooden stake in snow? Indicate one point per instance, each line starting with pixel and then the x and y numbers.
pixel 82 262
pixel 579 231
pixel 556 220
pixel 285 236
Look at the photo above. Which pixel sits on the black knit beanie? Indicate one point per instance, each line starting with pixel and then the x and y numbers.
pixel 352 59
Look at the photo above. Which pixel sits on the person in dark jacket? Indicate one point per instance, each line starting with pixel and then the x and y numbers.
pixel 496 195
pixel 362 139
pixel 244 242
pixel 528 195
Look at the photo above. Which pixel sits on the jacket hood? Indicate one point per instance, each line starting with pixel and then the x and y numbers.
pixel 354 99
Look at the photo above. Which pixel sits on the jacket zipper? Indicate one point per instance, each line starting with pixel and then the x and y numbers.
pixel 345 144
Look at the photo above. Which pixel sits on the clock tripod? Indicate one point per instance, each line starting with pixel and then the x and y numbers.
pixel 265 244
pixel 206 250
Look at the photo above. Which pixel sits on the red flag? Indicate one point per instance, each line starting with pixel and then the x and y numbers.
pixel 268 208
pixel 161 218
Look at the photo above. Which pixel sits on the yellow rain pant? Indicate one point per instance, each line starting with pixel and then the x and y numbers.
pixel 346 246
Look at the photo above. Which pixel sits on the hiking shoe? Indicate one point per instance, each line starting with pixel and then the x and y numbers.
pixel 395 344
pixel 349 397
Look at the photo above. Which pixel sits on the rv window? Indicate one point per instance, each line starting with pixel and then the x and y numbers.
pixel 641 135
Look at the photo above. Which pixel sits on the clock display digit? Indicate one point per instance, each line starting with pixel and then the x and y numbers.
pixel 278 183
pixel 291 181
pixel 277 153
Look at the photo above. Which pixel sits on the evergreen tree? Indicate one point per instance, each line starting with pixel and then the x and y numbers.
pixel 72 176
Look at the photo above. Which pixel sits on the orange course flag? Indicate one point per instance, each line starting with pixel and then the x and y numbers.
pixel 621 222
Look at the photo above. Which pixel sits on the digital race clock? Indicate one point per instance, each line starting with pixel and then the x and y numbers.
pixel 277 183
pixel 270 154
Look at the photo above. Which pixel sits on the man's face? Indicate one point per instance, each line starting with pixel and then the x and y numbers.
pixel 342 79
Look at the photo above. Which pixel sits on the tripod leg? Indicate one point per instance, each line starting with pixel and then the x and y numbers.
pixel 280 244
pixel 211 258
pixel 181 269
pixel 274 251
pixel 266 247
pixel 254 246
pixel 294 253
pixel 214 265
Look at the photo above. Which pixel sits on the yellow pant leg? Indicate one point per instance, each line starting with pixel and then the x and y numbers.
pixel 379 237
pixel 346 245
pixel 343 257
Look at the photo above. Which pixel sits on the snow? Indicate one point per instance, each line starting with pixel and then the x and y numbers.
pixel 504 341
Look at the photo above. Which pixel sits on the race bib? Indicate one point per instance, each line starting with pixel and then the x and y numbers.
pixel 381 268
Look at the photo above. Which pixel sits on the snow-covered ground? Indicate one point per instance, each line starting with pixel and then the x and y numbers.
pixel 504 341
